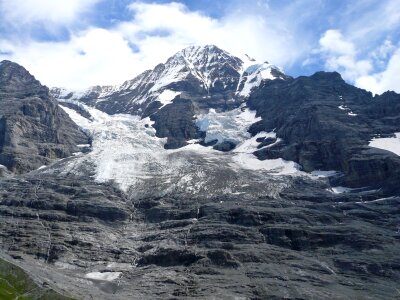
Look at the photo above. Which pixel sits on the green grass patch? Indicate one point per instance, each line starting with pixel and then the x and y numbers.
pixel 16 284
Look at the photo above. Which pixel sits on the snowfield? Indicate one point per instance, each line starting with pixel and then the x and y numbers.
pixel 390 144
pixel 104 276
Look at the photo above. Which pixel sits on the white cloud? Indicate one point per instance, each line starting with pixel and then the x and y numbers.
pixel 368 19
pixel 383 81
pixel 96 56
pixel 383 52
pixel 236 33
pixel 333 41
pixel 157 31
pixel 340 55
pixel 47 12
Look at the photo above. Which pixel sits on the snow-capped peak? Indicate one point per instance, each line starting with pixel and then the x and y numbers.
pixel 204 55
pixel 206 63
pixel 253 73
pixel 197 71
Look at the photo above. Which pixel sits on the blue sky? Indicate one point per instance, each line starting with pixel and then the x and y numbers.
pixel 78 43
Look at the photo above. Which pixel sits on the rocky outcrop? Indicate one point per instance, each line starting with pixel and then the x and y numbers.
pixel 33 129
pixel 175 122
pixel 326 124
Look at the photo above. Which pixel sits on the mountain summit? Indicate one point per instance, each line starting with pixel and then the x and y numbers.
pixel 206 74
pixel 15 79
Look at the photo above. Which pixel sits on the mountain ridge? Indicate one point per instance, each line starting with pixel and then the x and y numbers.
pixel 195 69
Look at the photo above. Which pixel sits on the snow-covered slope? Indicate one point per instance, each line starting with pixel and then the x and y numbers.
pixel 253 73
pixel 390 144
pixel 197 71
pixel 126 150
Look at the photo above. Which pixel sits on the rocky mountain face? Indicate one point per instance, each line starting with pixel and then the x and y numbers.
pixel 326 124
pixel 222 179
pixel 33 129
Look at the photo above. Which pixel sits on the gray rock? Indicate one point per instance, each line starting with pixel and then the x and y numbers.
pixel 34 130
pixel 311 117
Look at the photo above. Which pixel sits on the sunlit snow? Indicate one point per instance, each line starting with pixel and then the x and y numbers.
pixel 323 174
pixel 227 126
pixel 167 96
pixel 390 144
pixel 341 190
pixel 244 157
pixel 104 276
pixel 253 74
pixel 126 150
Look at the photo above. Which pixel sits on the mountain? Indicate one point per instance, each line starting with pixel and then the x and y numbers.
pixel 209 75
pixel 211 177
pixel 33 129
pixel 201 77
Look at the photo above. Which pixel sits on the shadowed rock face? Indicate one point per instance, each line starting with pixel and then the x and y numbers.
pixel 326 124
pixel 33 129
pixel 175 122
pixel 302 244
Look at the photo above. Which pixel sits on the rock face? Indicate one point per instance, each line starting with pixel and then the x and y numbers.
pixel 301 244
pixel 175 122
pixel 326 124
pixel 33 129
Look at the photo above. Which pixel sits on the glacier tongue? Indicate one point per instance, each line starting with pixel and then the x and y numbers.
pixel 125 150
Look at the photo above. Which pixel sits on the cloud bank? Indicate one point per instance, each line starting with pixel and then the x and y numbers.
pixel 300 35
pixel 155 31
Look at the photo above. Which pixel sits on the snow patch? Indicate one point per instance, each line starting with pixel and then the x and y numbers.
pixel 277 166
pixel 390 144
pixel 323 174
pixel 104 276
pixel 246 159
pixel 167 96
pixel 341 190
pixel 377 200
pixel 349 112
pixel 120 266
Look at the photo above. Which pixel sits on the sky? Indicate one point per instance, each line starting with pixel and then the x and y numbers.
pixel 80 43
